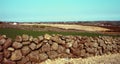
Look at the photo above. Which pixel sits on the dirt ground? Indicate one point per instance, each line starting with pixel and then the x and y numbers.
pixel 105 59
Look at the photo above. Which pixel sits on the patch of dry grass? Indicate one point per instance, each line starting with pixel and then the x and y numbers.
pixel 104 59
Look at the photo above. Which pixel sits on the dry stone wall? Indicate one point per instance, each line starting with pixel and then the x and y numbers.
pixel 28 50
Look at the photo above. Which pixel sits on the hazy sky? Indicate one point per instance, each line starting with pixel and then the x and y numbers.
pixel 59 10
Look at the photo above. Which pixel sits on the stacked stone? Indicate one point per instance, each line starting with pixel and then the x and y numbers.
pixel 28 50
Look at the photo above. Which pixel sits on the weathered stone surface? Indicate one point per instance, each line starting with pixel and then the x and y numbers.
pixel 28 62
pixel 24 60
pixel 32 46
pixel 57 40
pixel 75 45
pixel 2 41
pixel 8 61
pixel 82 53
pixel 47 36
pixel 31 38
pixel 67 51
pixel 1 48
pixel 34 56
pixel 46 47
pixel 26 43
pixel 54 46
pixel 18 38
pixel 90 50
pixel 11 49
pixel 25 50
pixel 61 49
pixel 52 54
pixel 7 43
pixel 7 53
pixel 36 40
pixel 1 57
pixel 40 38
pixel 39 45
pixel 68 45
pixel 25 37
pixel 95 45
pixel 43 56
pixel 17 45
pixel 16 55
pixel 75 51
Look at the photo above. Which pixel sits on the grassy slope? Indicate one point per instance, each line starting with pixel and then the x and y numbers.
pixel 13 32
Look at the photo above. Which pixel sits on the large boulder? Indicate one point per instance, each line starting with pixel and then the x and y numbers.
pixel 17 45
pixel 16 55
pixel 7 43
pixel 43 56
pixel 25 50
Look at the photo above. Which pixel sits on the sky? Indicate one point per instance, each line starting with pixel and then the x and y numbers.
pixel 59 10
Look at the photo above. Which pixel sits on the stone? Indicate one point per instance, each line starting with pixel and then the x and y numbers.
pixel 26 43
pixel 54 46
pixel 75 45
pixel 24 60
pixel 39 45
pixel 68 45
pixel 40 38
pixel 61 49
pixel 47 36
pixel 90 50
pixel 43 56
pixel 17 45
pixel 25 37
pixel 6 61
pixel 11 49
pixel 1 57
pixel 82 53
pixel 32 46
pixel 16 55
pixel 25 50
pixel 95 45
pixel 7 43
pixel 31 38
pixel 52 54
pixel 57 40
pixel 18 38
pixel 36 40
pixel 46 47
pixel 1 48
pixel 75 51
pixel 67 51
pixel 28 62
pixel 7 53
pixel 2 41
pixel 34 56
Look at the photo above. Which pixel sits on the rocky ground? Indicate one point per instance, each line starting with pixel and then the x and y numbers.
pixel 26 49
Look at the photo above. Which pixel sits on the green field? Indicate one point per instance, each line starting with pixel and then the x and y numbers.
pixel 14 32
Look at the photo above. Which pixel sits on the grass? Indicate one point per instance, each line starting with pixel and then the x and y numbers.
pixel 14 32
